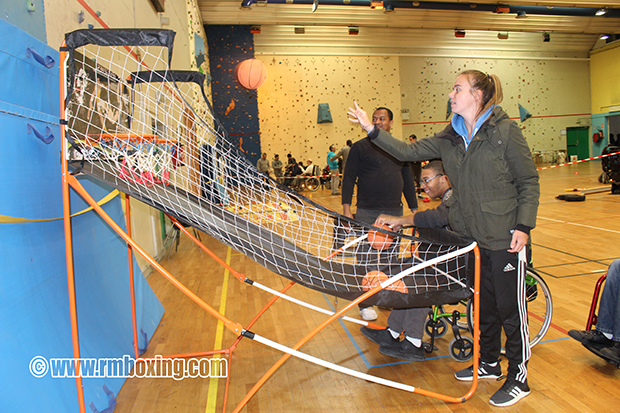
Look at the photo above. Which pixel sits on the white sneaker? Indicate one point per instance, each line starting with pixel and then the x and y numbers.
pixel 368 314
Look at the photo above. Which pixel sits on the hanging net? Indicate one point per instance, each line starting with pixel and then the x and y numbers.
pixel 133 123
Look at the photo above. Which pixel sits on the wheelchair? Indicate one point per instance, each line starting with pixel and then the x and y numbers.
pixel 592 317
pixel 459 317
pixel 311 183
pixel 611 168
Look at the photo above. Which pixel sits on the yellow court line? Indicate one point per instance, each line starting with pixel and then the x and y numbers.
pixel 219 335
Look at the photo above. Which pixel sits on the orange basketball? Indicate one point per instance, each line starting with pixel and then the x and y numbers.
pixel 379 240
pixel 374 278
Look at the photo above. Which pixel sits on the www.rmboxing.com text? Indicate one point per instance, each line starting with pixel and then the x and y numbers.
pixel 128 367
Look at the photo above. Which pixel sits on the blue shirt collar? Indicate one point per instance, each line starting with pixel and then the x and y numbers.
pixel 458 123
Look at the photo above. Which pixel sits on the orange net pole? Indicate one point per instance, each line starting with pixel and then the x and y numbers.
pixel 235 273
pixel 132 289
pixel 68 241
pixel 364 296
pixel 234 327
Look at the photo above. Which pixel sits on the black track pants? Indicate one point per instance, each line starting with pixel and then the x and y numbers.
pixel 503 305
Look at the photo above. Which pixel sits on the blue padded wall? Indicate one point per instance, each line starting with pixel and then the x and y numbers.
pixel 34 307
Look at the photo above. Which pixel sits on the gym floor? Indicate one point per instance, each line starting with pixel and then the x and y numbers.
pixel 573 244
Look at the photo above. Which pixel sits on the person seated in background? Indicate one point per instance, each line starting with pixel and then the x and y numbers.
pixel 295 170
pixel 410 321
pixel 309 169
pixel 604 340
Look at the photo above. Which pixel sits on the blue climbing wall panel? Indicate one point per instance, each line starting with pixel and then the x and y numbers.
pixel 34 307
pixel 235 106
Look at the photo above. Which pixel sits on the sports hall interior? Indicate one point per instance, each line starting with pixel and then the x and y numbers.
pixel 554 67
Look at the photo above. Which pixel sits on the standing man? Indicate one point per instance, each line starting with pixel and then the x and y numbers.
pixel 263 165
pixel 332 162
pixel 416 167
pixel 276 164
pixel 344 154
pixel 381 182
pixel 410 321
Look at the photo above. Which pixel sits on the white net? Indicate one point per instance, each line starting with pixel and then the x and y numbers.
pixel 151 133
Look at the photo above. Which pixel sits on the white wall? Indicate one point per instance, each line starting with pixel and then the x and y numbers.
pixel 551 89
pixel 555 92
pixel 288 101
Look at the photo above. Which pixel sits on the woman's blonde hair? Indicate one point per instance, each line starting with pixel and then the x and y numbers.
pixel 489 85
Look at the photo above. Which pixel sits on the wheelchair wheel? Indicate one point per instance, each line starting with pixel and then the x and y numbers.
pixel 603 178
pixel 539 307
pixel 440 325
pixel 462 349
pixel 312 184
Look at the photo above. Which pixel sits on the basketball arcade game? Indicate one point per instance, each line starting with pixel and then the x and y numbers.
pixel 125 120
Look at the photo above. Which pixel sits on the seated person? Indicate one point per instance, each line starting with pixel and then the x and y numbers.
pixel 295 171
pixel 410 321
pixel 604 341
pixel 309 169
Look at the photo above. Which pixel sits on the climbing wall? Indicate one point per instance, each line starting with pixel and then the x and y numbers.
pixel 555 92
pixel 288 102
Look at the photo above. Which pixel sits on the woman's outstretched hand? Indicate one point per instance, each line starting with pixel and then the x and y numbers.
pixel 359 115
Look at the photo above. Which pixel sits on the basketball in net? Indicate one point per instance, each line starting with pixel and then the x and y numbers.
pixel 379 240
pixel 374 278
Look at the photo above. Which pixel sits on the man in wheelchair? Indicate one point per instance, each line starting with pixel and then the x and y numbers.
pixel 303 181
pixel 411 321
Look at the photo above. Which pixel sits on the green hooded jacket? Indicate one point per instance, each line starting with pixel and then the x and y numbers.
pixel 495 182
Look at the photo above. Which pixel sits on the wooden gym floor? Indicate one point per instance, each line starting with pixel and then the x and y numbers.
pixel 573 244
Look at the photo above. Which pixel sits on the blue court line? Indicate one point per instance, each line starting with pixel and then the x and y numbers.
pixel 359 350
pixel 370 366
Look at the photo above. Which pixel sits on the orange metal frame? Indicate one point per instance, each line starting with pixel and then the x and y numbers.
pixel 592 317
pixel 69 181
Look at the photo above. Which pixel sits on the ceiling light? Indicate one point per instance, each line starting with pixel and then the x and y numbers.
pixel 315 5
pixel 459 33
pixel 246 4
pixel 601 12
pixel 521 14
pixel 502 36
pixel 604 37
pixel 546 37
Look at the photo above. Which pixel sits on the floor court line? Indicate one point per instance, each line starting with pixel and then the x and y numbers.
pixel 579 225
pixel 219 335
pixel 371 366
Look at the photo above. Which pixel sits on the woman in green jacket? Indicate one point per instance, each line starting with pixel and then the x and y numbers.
pixel 495 201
